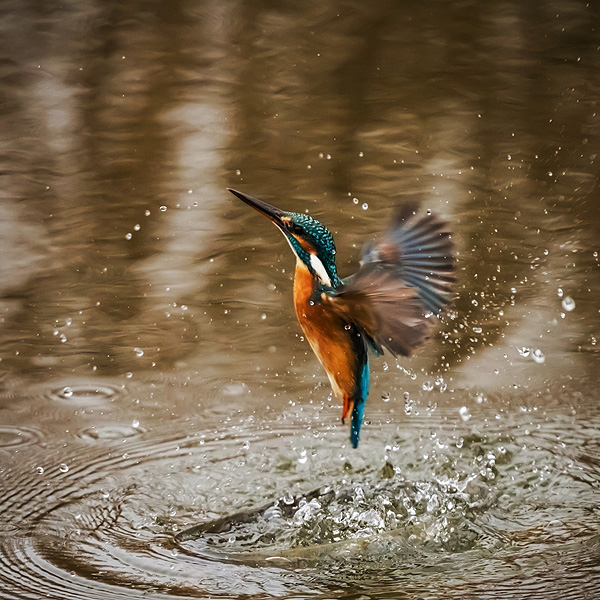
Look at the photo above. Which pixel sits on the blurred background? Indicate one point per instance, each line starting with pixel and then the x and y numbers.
pixel 140 301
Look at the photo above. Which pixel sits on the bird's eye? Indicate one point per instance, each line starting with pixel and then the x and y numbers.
pixel 295 228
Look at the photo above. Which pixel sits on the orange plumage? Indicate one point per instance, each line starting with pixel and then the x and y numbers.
pixel 325 332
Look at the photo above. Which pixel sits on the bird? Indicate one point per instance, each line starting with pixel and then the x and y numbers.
pixel 390 303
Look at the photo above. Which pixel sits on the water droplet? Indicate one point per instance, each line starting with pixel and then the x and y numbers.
pixel 365 206
pixel 464 413
pixel 560 292
pixel 263 316
pixel 347 326
pixel 40 470
pixel 385 396
pixel 67 392
pixel 538 356
pixel 479 398
pixel 163 208
pixel 138 352
pixel 568 303
pixel 128 236
pixel 63 468
pixel 427 385
pixel 524 351
pixel 147 213
pixel 355 200
pixel 303 457
pixel 63 338
pixel 137 227
pixel 273 512
pixel 135 423
pixel 439 381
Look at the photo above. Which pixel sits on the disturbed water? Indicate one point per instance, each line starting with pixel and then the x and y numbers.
pixel 165 431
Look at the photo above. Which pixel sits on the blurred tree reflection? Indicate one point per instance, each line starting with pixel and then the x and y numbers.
pixel 486 114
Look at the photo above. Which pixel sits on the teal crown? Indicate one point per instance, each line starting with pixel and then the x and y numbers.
pixel 319 237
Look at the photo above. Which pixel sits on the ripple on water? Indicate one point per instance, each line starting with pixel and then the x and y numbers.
pixel 99 433
pixel 18 436
pixel 106 524
pixel 85 393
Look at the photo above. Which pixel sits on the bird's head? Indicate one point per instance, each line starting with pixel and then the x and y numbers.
pixel 311 241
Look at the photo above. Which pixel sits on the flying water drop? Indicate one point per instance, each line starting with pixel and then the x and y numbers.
pixel 538 356
pixel 464 413
pixel 568 303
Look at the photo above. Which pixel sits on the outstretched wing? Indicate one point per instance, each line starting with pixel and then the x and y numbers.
pixel 403 281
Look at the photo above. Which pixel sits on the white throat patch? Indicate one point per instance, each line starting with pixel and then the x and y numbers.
pixel 319 269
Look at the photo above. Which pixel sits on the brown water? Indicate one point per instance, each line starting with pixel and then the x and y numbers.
pixel 153 375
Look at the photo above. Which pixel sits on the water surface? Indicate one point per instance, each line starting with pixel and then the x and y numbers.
pixel 165 430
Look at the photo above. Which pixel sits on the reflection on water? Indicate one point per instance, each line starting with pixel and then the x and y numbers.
pixel 153 378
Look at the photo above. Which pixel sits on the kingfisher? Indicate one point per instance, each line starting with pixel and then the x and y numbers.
pixel 402 284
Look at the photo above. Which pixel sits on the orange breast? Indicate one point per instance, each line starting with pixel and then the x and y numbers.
pixel 325 333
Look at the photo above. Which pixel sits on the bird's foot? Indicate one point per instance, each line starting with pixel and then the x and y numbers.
pixel 347 410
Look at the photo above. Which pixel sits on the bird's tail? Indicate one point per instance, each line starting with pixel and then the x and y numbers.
pixel 357 418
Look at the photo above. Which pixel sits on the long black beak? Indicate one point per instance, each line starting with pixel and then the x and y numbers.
pixel 269 211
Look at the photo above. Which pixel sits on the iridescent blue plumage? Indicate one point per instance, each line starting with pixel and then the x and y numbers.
pixel 320 238
pixel 386 304
pixel 358 410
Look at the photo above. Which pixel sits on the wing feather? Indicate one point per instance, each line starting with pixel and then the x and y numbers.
pixel 402 282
